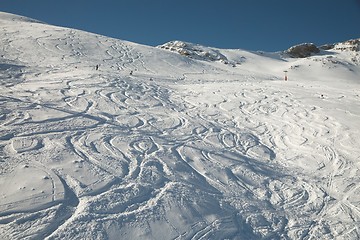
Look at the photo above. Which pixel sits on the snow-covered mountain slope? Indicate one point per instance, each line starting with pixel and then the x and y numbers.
pixel 156 145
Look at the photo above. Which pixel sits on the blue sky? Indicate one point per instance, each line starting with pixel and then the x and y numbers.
pixel 268 25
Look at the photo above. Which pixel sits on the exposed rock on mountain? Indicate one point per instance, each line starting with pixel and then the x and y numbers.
pixel 194 51
pixel 303 50
pixel 350 45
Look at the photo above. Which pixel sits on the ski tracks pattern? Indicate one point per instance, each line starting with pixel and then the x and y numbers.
pixel 126 155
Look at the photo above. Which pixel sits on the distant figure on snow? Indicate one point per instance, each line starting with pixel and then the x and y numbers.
pixel 131 72
pixel 97 67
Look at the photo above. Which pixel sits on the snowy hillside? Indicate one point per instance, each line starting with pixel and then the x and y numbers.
pixel 179 141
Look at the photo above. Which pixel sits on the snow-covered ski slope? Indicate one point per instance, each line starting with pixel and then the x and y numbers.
pixel 201 144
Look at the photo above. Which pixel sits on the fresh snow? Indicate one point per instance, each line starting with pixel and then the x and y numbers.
pixel 196 143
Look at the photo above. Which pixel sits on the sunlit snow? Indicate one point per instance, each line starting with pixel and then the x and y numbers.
pixel 179 141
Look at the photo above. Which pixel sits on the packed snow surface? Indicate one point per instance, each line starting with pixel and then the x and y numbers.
pixel 208 144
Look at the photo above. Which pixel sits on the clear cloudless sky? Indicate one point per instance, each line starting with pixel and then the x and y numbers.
pixel 268 25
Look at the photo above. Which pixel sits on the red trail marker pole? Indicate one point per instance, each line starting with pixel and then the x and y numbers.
pixel 286 78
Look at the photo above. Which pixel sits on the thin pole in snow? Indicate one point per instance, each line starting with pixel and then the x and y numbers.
pixel 286 78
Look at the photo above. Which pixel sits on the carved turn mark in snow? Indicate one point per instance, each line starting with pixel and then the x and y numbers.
pixel 21 145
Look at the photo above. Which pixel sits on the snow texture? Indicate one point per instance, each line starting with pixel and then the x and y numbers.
pixel 187 146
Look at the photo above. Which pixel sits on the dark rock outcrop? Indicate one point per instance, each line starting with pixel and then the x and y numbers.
pixel 303 50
